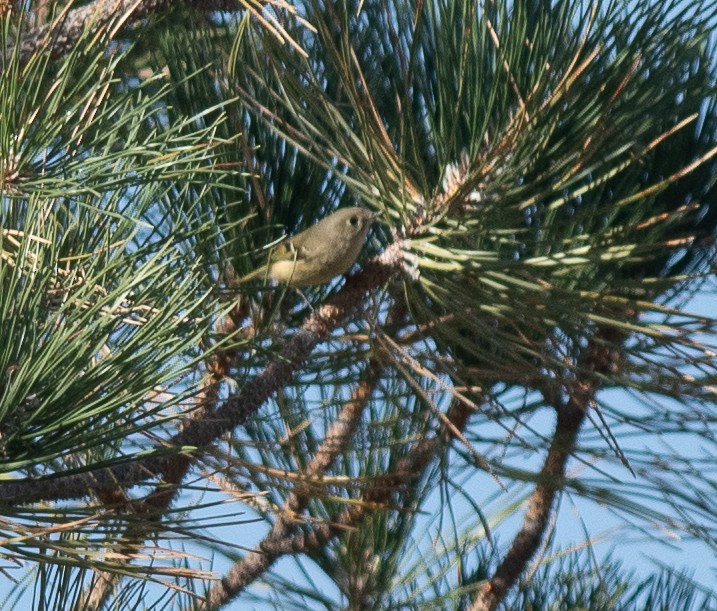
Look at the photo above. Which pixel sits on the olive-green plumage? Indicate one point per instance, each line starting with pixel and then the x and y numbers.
pixel 319 253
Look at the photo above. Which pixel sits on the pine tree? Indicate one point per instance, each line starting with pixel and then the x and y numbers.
pixel 522 312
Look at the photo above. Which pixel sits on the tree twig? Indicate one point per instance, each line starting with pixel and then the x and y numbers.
pixel 598 358
pixel 255 563
pixel 281 541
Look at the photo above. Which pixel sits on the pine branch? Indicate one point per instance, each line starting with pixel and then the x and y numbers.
pixel 570 417
pixel 158 502
pixel 255 563
pixel 62 34
pixel 408 469
pixel 235 411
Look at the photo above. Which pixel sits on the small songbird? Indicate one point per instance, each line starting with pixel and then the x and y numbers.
pixel 319 253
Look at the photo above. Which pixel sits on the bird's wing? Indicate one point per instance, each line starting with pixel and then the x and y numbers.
pixel 290 250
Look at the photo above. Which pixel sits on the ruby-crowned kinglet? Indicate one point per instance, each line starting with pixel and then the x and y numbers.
pixel 318 253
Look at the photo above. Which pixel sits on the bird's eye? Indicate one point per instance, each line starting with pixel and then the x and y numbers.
pixel 354 221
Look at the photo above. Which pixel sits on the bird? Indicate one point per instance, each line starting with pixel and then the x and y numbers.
pixel 321 252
